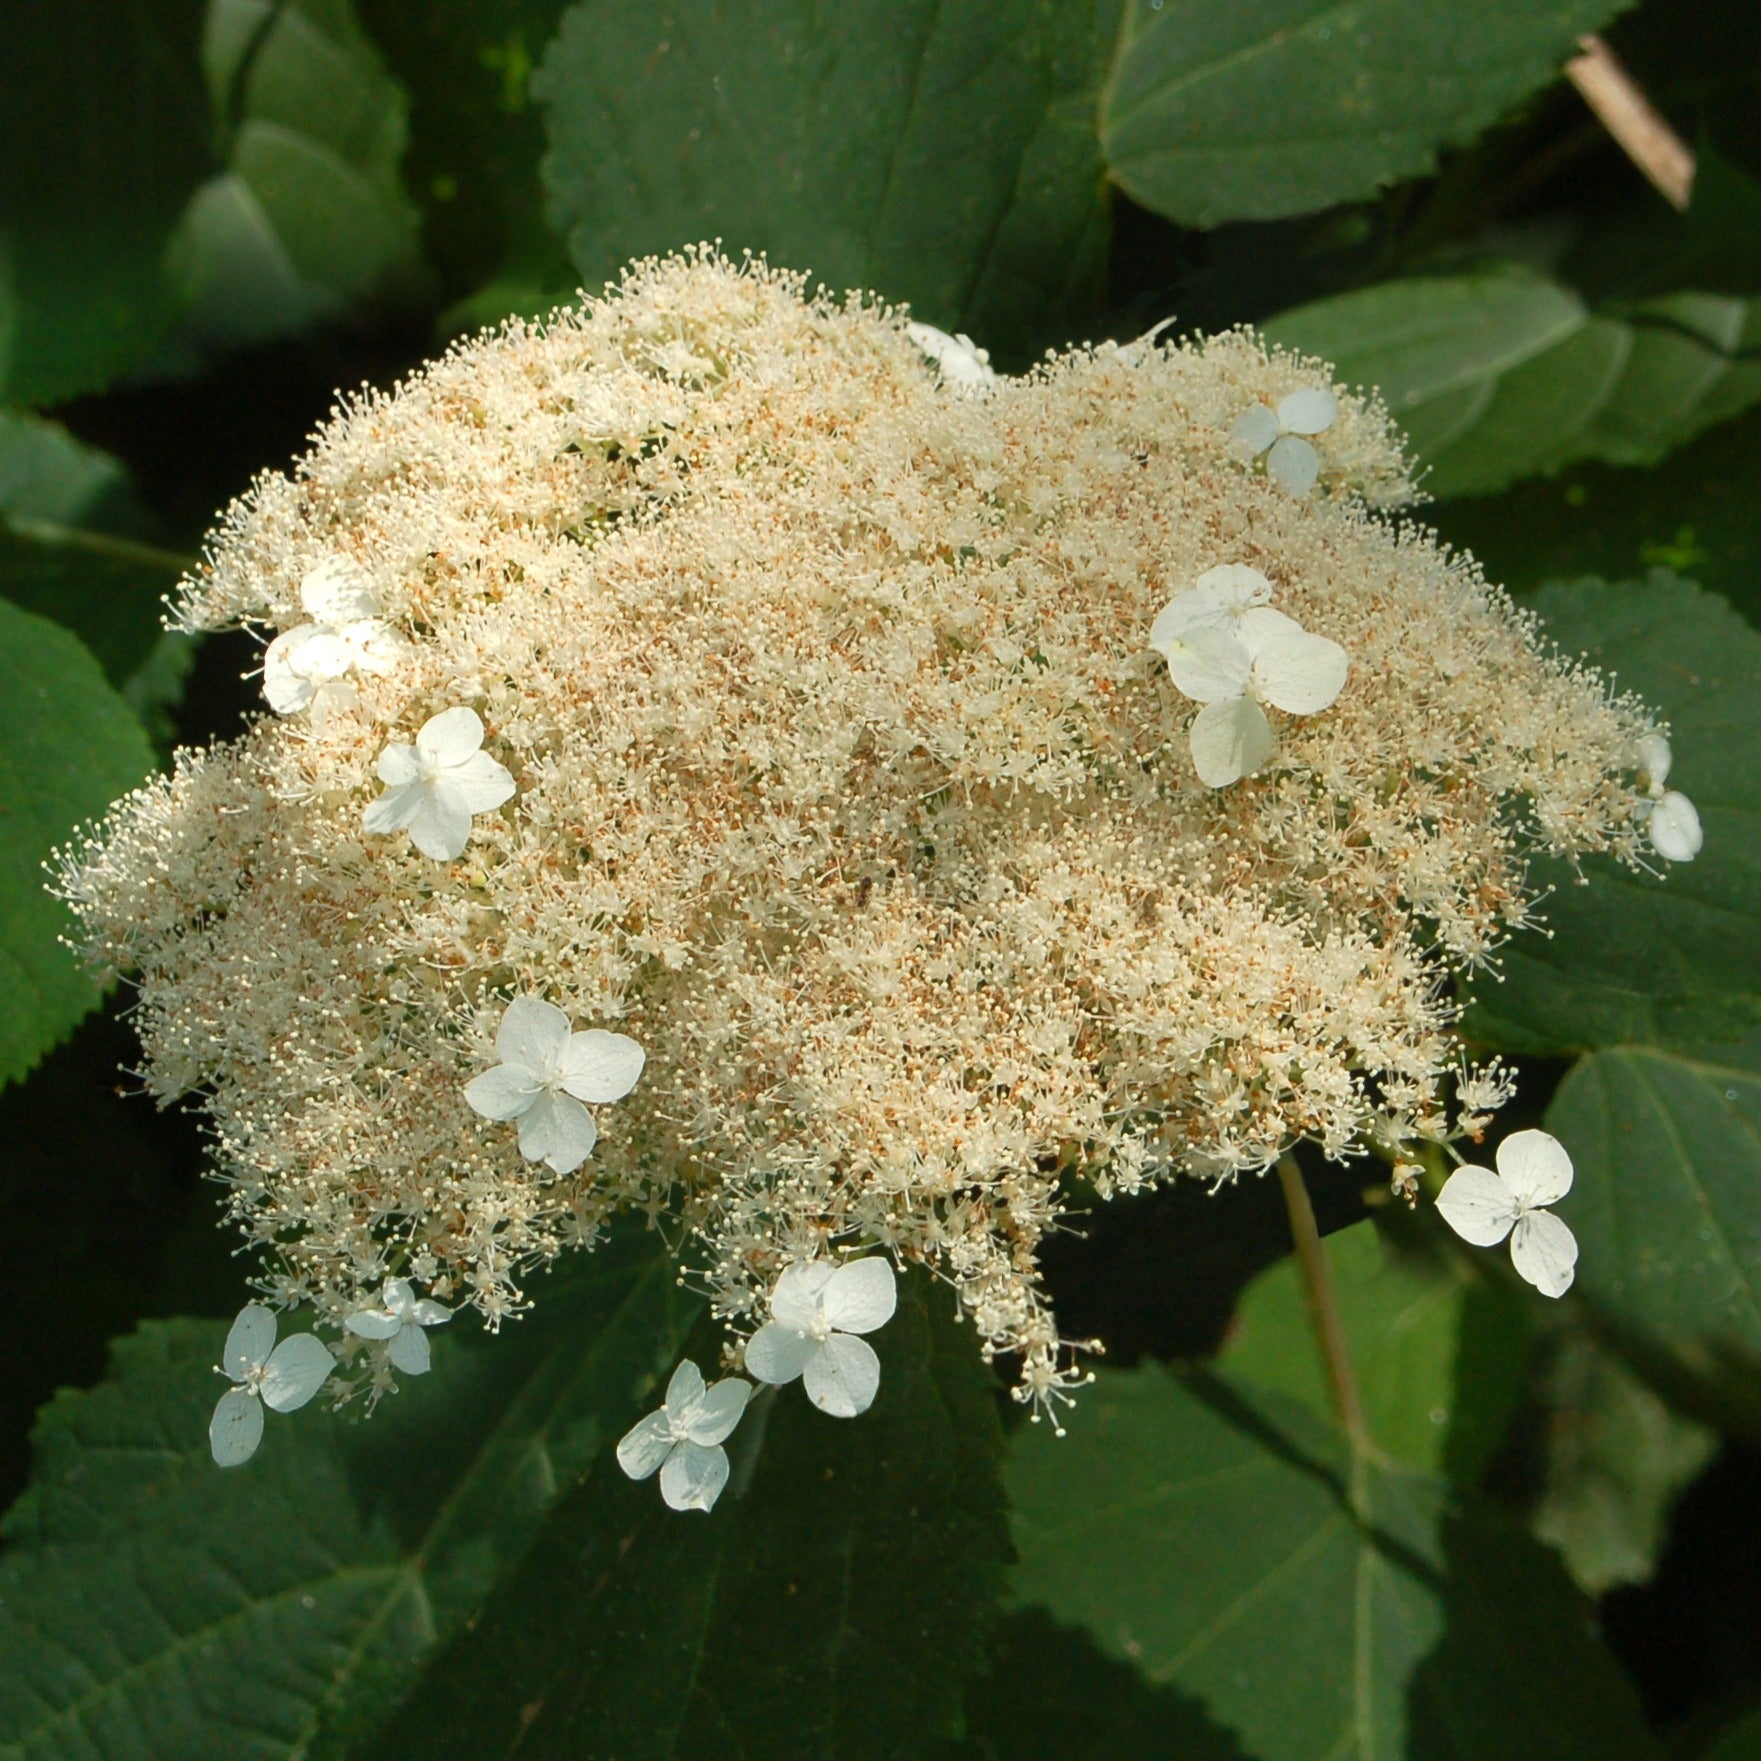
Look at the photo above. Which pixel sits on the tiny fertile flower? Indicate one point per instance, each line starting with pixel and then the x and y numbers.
pixel 1482 1207
pixel 435 787
pixel 1671 820
pixel 1291 462
pixel 1265 658
pixel 400 1317
pixel 284 1378
pixel 546 1071
pixel 346 635
pixel 962 362
pixel 684 1439
pixel 816 1309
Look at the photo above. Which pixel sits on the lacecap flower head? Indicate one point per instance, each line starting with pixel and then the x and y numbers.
pixel 776 721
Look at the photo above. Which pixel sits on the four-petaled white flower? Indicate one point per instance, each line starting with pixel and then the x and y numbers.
pixel 311 662
pixel 1671 819
pixel 1232 653
pixel 400 1317
pixel 684 1439
pixel 1483 1207
pixel 283 1376
pixel 816 1310
pixel 434 787
pixel 1281 434
pixel 546 1071
pixel 962 362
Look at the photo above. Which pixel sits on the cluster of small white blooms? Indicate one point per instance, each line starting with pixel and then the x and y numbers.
pixel 1283 436
pixel 776 724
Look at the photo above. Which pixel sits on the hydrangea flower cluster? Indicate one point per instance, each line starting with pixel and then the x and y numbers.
pixel 774 722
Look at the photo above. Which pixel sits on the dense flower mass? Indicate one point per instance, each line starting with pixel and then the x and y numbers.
pixel 844 780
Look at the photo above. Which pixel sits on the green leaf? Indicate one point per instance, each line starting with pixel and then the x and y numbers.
pixel 1209 1536
pixel 832 1603
pixel 1740 1741
pixel 68 747
pixel 309 218
pixel 1218 111
pixel 1502 373
pixel 941 152
pixel 1667 1205
pixel 152 1605
pixel 75 545
pixel 1673 959
pixel 1615 1459
pixel 1431 1398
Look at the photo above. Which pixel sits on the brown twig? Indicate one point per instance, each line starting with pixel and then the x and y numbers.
pixel 1624 110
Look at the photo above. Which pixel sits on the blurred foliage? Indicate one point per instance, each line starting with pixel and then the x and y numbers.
pixel 214 211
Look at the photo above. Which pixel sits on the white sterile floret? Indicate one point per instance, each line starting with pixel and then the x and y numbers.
pixel 435 787
pixel 283 1376
pixel 1233 665
pixel 546 1071
pixel 311 662
pixel 1672 822
pixel 400 1317
pixel 684 1439
pixel 1482 1207
pixel 962 362
pixel 1217 599
pixel 816 1310
pixel 1291 462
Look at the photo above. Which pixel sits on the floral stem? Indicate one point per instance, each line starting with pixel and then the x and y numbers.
pixel 1317 1280
pixel 1624 110
pixel 126 550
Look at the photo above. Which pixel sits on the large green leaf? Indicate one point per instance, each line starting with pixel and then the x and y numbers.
pixel 152 1605
pixel 309 218
pixel 1215 1539
pixel 1667 1206
pixel 1673 958
pixel 68 746
pixel 106 138
pixel 833 1603
pixel 1501 373
pixel 1216 110
pixel 940 151
pixel 1439 1353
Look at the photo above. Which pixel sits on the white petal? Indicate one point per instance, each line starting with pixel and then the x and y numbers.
pixel 1300 674
pixel 395 809
pixel 370 1324
pixel 410 1351
pixel 1654 757
pixel 284 685
pixel 842 1376
pixel 1258 627
pixel 1545 1252
pixel 427 1313
pixel 861 1295
pixel 322 656
pixel 1230 740
pixel 398 1297
pixel 249 1342
pixel 645 1446
pixel 1308 411
pixel 374 647
pixel 692 1477
pixel 450 737
pixel 1293 465
pixel 778 1354
pixel 1477 1205
pixel 1674 826
pixel 337 591
pixel 961 361
pixel 601 1066
pixel 480 783
pixel 1234 586
pixel 684 1391
pixel 557 1131
pixel 1255 429
pixel 1183 614
pixel 236 1427
pixel 1536 1168
pixel 795 1301
pixel 399 765
pixel 718 1412
pixel 505 1092
pixel 1207 664
pixel 296 1370
pixel 441 825
pixel 532 1034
